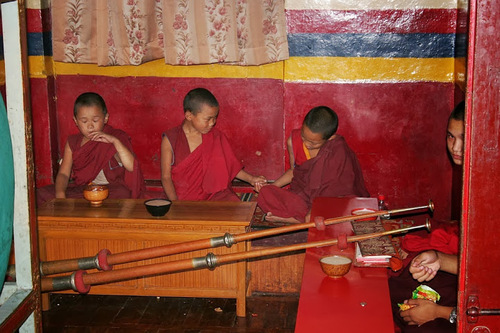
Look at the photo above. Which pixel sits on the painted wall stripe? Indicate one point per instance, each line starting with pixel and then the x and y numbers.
pixel 327 69
pixel 40 66
pixel 296 69
pixel 372 45
pixel 158 68
pixel 2 72
pixel 372 21
pixel 38 20
pixel 38 4
pixel 39 43
pixel 369 4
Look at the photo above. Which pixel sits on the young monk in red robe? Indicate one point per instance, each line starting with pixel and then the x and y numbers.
pixel 99 154
pixel 197 162
pixel 321 164
pixel 436 266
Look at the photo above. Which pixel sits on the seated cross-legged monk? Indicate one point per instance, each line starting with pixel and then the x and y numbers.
pixel 99 154
pixel 321 164
pixel 197 162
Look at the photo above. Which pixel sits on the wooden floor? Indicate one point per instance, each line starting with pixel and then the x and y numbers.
pixel 93 313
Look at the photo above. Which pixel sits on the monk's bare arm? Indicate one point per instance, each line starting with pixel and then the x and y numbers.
pixel 449 262
pixel 251 179
pixel 166 169
pixel 425 266
pixel 123 154
pixel 62 178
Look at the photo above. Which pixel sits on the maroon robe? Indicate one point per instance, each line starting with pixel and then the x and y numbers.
pixel 207 172
pixel 90 159
pixel 334 172
pixel 444 238
pixel 401 288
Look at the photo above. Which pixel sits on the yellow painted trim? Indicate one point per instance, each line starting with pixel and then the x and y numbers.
pixel 40 66
pixel 308 69
pixel 368 4
pixel 2 72
pixel 158 68
pixel 330 69
pixel 460 71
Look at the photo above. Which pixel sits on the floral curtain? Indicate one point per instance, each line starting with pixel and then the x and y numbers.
pixel 184 32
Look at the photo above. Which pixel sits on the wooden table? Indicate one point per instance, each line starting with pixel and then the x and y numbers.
pixel 70 228
pixel 357 302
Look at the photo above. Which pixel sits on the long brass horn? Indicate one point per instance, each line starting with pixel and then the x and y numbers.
pixel 81 281
pixel 104 260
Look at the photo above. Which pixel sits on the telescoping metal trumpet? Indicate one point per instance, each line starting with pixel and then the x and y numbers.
pixel 104 259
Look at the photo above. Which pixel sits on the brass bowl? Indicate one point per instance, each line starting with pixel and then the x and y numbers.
pixel 95 194
pixel 335 266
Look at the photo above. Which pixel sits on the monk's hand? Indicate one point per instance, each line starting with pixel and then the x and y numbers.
pixel 256 180
pixel 101 137
pixel 259 185
pixel 422 311
pixel 425 266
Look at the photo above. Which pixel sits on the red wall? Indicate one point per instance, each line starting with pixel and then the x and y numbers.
pixel 251 114
pixel 397 130
pixel 395 123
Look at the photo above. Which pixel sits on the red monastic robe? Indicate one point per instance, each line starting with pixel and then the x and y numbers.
pixel 90 159
pixel 334 172
pixel 207 172
pixel 443 238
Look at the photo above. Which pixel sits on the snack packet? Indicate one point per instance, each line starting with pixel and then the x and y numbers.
pixel 426 292
pixel 421 292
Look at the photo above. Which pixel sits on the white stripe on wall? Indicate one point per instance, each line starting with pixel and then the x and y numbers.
pixel 369 4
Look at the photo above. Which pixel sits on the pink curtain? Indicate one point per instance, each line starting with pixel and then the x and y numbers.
pixel 184 32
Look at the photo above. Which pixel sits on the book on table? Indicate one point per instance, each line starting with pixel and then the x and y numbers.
pixel 375 251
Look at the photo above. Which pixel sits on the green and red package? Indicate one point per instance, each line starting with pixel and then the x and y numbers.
pixel 422 292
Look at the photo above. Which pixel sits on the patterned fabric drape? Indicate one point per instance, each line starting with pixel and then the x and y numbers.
pixel 184 32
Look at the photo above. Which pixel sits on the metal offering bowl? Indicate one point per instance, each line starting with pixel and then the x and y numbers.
pixel 95 194
pixel 158 207
pixel 335 266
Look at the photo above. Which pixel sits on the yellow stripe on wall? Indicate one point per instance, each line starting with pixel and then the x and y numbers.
pixel 308 69
pixel 40 66
pixel 158 68
pixel 329 69
pixel 460 70
pixel 2 72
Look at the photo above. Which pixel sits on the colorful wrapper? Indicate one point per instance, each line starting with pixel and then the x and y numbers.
pixel 422 292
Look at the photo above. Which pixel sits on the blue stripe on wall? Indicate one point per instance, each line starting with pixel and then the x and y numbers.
pixel 40 43
pixel 372 45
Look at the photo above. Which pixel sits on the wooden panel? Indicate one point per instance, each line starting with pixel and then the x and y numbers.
pixel 278 274
pixel 479 269
pixel 71 229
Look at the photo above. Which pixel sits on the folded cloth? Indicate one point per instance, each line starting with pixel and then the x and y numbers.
pixel 444 239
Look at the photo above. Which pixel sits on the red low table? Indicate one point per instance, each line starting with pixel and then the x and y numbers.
pixel 357 302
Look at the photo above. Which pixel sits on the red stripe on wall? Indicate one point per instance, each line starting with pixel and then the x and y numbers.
pixel 372 21
pixel 38 20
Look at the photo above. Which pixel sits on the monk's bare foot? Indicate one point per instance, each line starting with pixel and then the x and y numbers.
pixel 273 218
